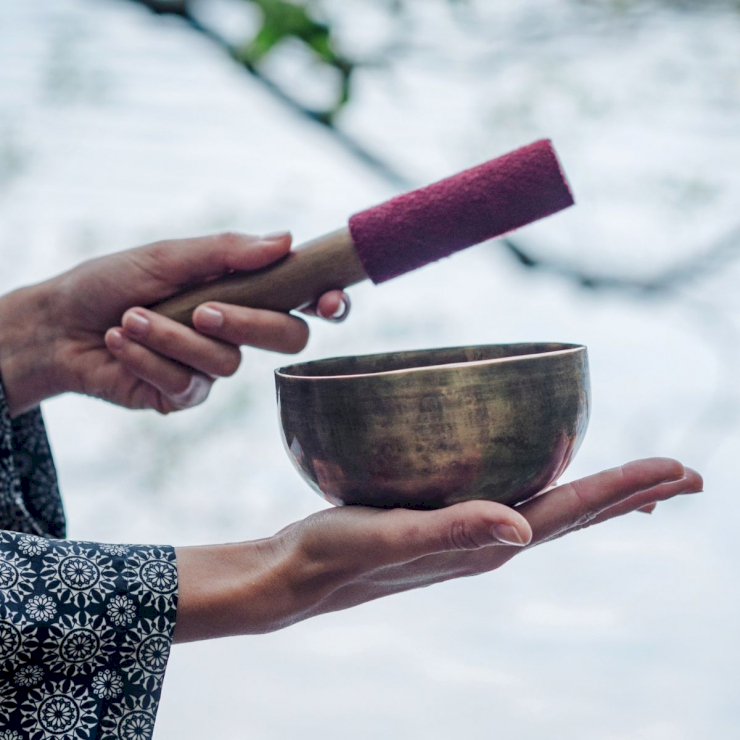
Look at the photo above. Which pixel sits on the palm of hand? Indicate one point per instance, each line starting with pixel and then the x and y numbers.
pixel 352 555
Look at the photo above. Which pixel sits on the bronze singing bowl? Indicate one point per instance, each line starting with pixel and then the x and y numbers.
pixel 431 428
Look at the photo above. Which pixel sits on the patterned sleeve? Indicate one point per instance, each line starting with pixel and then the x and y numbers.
pixel 85 633
pixel 85 628
pixel 29 494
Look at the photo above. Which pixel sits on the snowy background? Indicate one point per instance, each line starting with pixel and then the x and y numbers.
pixel 118 128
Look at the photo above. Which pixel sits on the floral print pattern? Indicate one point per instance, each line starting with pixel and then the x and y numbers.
pixel 29 675
pixel 79 574
pixel 32 545
pixel 78 644
pixel 121 611
pixel 129 719
pixel 118 550
pixel 159 576
pixel 85 629
pixel 143 655
pixel 41 608
pixel 61 710
pixel 8 702
pixel 107 684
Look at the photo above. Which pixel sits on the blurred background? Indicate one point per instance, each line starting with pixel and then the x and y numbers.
pixel 127 121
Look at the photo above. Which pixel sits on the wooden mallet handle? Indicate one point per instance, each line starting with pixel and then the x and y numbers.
pixel 327 263
pixel 400 235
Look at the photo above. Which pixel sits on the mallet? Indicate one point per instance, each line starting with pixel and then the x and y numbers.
pixel 400 235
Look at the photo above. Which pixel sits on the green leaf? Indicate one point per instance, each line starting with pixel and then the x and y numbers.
pixel 282 20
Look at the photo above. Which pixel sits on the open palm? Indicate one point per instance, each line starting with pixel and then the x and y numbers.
pixel 357 554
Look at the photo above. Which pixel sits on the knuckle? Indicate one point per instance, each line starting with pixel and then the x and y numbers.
pixel 581 501
pixel 230 242
pixel 229 239
pixel 461 536
pixel 620 475
pixel 583 520
pixel 580 511
pixel 225 245
pixel 166 335
pixel 152 258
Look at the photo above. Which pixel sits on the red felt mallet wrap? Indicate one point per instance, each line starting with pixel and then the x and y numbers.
pixel 398 236
pixel 473 206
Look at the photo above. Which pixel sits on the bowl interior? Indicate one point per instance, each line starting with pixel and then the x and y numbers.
pixel 394 362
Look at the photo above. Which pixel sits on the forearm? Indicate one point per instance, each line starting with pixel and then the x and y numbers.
pixel 27 348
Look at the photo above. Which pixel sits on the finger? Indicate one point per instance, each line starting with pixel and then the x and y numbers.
pixel 183 262
pixel 174 341
pixel 646 501
pixel 237 325
pixel 182 386
pixel 575 504
pixel 333 306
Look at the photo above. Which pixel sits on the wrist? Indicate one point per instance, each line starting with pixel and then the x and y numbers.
pixel 27 348
pixel 234 589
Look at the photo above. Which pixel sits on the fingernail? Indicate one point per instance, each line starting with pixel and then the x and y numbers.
pixel 687 486
pixel 116 340
pixel 194 394
pixel 507 534
pixel 135 324
pixel 275 236
pixel 341 312
pixel 209 318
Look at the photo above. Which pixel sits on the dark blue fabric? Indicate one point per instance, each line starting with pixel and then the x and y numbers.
pixel 85 628
pixel 29 494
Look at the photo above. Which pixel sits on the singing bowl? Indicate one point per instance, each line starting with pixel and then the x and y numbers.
pixel 430 428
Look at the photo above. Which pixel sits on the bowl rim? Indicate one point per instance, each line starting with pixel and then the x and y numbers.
pixel 566 349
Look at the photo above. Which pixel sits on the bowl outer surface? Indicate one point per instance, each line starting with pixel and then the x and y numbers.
pixel 501 422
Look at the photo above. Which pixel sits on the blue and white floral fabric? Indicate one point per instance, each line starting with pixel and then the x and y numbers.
pixel 85 628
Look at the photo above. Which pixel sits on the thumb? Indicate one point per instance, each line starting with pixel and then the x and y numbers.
pixel 180 262
pixel 409 535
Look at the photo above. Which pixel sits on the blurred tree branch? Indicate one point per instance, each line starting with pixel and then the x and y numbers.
pixel 704 263
pixel 282 20
pixel 292 19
